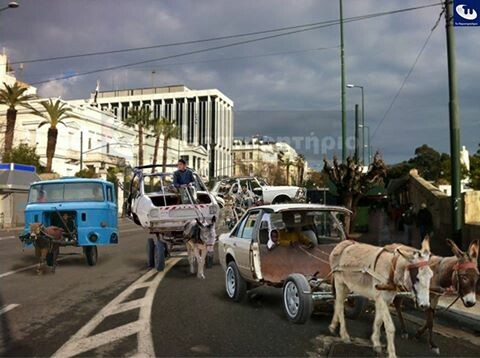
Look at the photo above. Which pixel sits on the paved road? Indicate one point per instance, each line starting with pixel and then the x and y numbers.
pixel 118 308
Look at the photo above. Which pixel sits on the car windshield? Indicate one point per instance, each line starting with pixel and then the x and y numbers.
pixel 320 227
pixel 63 192
pixel 159 183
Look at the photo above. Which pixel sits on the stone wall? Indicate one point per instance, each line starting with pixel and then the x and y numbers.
pixel 472 207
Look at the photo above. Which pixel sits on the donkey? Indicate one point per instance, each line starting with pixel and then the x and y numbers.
pixel 200 237
pixel 458 273
pixel 378 274
pixel 44 242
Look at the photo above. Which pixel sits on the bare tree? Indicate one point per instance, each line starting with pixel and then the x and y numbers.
pixel 351 182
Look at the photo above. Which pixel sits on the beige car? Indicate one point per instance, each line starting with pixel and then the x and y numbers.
pixel 286 245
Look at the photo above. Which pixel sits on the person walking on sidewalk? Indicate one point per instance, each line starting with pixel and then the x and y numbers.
pixel 424 221
pixel 408 218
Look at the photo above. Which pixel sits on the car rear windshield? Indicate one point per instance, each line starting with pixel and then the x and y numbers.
pixel 65 192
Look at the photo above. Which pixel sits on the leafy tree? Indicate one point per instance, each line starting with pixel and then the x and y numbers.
pixel 428 162
pixel 23 154
pixel 300 164
pixel 139 119
pixel 316 179
pixel 475 170
pixel 13 97
pixel 398 170
pixel 54 113
pixel 86 173
pixel 352 183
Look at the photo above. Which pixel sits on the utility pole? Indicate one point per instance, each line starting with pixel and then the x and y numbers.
pixel 356 133
pixel 456 197
pixel 81 150
pixel 342 65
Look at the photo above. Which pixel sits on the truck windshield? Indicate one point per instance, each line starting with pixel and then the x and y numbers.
pixel 62 192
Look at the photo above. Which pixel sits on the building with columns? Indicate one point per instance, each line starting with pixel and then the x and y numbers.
pixel 204 116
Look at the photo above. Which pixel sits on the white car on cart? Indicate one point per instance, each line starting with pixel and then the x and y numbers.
pixel 156 205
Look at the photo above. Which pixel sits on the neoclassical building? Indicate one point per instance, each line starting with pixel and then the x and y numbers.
pixel 204 116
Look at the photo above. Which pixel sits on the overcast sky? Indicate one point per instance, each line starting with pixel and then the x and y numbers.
pixel 295 94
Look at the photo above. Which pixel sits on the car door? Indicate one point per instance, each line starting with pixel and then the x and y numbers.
pixel 112 208
pixel 244 236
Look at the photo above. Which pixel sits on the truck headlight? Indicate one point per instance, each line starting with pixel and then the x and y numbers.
pixel 154 213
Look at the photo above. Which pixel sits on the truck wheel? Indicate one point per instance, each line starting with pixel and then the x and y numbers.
pixel 355 306
pixel 91 255
pixel 297 299
pixel 234 283
pixel 159 255
pixel 150 253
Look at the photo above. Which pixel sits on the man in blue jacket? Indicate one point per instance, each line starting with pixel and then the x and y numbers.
pixel 182 178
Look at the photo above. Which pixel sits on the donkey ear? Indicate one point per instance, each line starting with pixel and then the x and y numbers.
pixel 407 255
pixel 426 245
pixel 456 251
pixel 473 250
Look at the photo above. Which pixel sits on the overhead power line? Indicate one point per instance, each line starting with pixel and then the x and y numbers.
pixel 407 76
pixel 190 42
pixel 221 59
pixel 326 24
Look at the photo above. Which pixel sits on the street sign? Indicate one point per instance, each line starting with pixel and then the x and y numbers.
pixel 466 13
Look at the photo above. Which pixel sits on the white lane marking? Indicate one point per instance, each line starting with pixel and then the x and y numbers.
pixel 7 238
pixel 82 341
pixel 7 308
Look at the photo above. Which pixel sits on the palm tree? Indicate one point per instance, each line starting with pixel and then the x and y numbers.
pixel 139 118
pixel 55 113
pixel 287 163
pixel 300 164
pixel 168 130
pixel 13 97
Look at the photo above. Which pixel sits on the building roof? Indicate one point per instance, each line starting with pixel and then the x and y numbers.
pixel 17 177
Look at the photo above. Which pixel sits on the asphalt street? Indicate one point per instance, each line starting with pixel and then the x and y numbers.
pixel 119 308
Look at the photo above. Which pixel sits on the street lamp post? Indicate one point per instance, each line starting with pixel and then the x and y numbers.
pixel 344 101
pixel 368 146
pixel 363 119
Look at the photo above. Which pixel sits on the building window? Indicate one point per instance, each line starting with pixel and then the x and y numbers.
pixel 243 155
pixel 251 155
pixel 108 148
pixel 156 109
pixel 89 143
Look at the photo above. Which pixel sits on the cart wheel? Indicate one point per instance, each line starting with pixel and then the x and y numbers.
pixel 150 253
pixel 234 283
pixel 297 299
pixel 159 254
pixel 91 255
pixel 355 306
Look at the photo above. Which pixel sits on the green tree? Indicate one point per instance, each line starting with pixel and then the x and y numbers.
pixel 300 164
pixel 139 118
pixel 54 113
pixel 86 173
pixel 23 154
pixel 13 97
pixel 474 173
pixel 428 162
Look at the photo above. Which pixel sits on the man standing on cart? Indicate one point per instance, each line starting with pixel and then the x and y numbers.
pixel 182 178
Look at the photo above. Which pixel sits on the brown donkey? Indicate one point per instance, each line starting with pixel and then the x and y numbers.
pixel 457 273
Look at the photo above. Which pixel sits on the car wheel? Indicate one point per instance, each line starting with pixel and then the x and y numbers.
pixel 282 199
pixel 355 306
pixel 91 255
pixel 150 253
pixel 297 298
pixel 234 283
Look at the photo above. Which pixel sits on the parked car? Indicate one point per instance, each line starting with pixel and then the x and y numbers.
pixel 269 194
pixel 156 205
pixel 250 260
pixel 85 209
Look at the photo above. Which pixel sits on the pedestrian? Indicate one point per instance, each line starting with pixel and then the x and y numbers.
pixel 424 221
pixel 182 180
pixel 408 218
